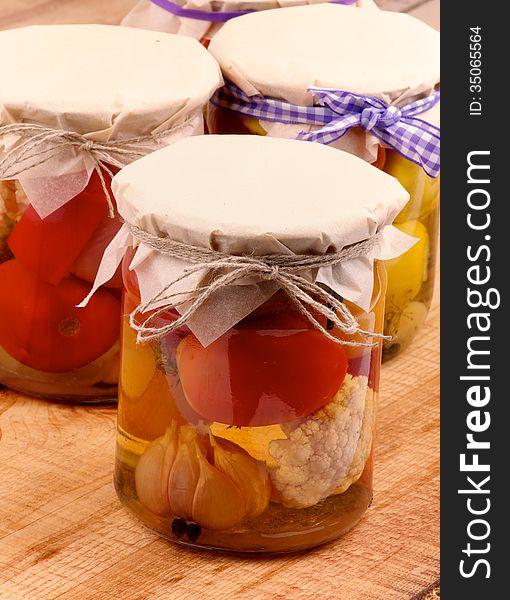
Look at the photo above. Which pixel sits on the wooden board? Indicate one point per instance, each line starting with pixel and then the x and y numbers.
pixel 63 533
pixel 15 13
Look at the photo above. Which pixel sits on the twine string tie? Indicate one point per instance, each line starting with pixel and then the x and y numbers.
pixel 311 299
pixel 40 143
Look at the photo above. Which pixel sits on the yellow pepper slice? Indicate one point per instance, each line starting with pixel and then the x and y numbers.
pixel 424 190
pixel 137 363
pixel 253 125
pixel 407 272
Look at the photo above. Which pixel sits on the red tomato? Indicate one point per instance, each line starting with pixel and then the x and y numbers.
pixel 267 370
pixel 88 262
pixel 227 122
pixel 48 247
pixel 41 327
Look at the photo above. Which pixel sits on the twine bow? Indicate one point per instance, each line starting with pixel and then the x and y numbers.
pixel 39 144
pixel 337 111
pixel 227 269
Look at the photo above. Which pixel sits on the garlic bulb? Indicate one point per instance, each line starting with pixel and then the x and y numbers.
pixel 208 480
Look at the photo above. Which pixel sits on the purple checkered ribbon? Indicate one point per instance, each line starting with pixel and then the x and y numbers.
pixel 213 16
pixel 338 111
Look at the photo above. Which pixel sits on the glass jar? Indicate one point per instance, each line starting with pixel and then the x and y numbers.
pixel 411 276
pixel 209 439
pixel 307 49
pixel 60 144
pixel 251 339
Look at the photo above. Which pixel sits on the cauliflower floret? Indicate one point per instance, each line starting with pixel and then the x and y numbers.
pixel 327 451
pixel 364 446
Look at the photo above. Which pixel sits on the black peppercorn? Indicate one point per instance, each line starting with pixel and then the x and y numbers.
pixel 179 527
pixel 193 531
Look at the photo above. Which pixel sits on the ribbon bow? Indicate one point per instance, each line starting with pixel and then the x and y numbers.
pixel 398 128
pixel 338 111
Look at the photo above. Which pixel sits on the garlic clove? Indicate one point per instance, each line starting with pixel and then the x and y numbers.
pixel 190 435
pixel 184 475
pixel 152 471
pixel 218 502
pixel 248 474
pixel 172 440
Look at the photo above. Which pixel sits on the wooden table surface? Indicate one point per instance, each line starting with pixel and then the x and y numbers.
pixel 63 534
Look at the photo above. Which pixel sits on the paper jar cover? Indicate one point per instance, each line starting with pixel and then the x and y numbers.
pixel 280 54
pixel 249 194
pixel 104 82
pixel 148 15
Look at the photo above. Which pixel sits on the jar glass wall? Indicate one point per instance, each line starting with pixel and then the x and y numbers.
pixel 261 442
pixel 411 275
pixel 48 347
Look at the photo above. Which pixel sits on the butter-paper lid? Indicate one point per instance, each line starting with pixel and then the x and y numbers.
pixel 252 196
pixel 280 53
pixel 153 15
pixel 105 81
pixel 255 194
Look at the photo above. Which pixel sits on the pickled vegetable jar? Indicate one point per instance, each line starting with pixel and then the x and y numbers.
pixel 202 19
pixel 251 339
pixel 66 127
pixel 366 82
